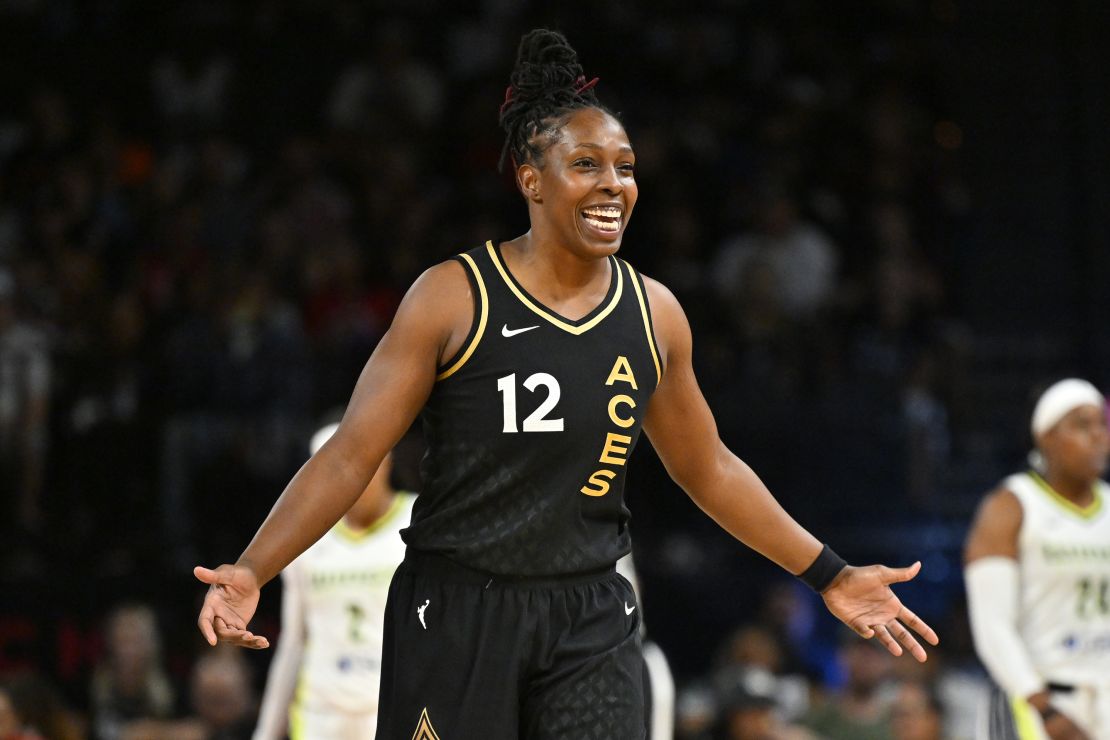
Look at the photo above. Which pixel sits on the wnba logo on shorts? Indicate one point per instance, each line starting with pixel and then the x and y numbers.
pixel 424 730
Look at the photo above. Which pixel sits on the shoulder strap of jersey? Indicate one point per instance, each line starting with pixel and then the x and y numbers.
pixel 1021 485
pixel 645 312
pixel 481 314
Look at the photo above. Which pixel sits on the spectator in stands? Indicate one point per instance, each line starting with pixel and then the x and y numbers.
pixel 916 712
pixel 222 698
pixel 861 709
pixel 754 646
pixel 31 708
pixel 750 708
pixel 222 701
pixel 130 682
pixel 25 380
pixel 800 260
pixel 13 725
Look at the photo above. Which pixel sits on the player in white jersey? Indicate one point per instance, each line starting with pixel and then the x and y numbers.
pixel 323 680
pixel 1038 577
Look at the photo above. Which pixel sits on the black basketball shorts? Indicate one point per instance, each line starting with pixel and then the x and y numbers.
pixel 470 656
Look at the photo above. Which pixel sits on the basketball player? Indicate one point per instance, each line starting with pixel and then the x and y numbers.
pixel 535 362
pixel 324 676
pixel 1038 577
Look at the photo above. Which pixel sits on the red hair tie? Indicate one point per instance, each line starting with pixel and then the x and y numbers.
pixel 508 99
pixel 582 86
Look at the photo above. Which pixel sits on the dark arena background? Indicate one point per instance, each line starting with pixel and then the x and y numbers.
pixel 887 221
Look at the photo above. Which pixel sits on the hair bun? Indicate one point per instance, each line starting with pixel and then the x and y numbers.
pixel 546 63
pixel 547 82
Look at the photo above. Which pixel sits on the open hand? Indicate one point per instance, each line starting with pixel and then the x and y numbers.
pixel 232 597
pixel 861 598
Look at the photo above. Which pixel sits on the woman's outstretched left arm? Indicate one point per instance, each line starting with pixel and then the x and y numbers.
pixel 684 434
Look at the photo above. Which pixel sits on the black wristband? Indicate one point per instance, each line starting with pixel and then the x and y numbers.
pixel 823 570
pixel 1048 712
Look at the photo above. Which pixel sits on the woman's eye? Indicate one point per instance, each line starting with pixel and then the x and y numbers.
pixel 627 167
pixel 584 163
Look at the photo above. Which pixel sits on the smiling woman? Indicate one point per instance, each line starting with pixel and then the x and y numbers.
pixel 586 177
pixel 507 618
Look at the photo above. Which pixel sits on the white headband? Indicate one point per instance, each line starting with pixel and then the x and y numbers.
pixel 1061 398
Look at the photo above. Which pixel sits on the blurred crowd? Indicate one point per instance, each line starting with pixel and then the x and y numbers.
pixel 769 680
pixel 209 212
pixel 131 695
pixel 776 677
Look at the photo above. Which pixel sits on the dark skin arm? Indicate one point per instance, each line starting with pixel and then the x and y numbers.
pixel 430 325
pixel 683 432
pixel 994 533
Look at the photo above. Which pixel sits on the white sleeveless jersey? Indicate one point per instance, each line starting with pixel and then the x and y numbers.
pixel 341 583
pixel 1064 560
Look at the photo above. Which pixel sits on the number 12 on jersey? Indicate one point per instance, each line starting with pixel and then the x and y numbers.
pixel 536 421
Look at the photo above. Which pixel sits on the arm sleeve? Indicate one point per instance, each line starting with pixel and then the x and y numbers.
pixel 992 604
pixel 281 682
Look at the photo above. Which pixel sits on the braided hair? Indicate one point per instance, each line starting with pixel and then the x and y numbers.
pixel 547 84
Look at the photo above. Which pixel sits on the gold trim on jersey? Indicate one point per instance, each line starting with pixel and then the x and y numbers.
pixel 357 535
pixel 571 328
pixel 647 322
pixel 1087 512
pixel 424 730
pixel 484 299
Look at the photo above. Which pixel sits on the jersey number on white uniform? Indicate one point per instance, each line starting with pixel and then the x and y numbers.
pixel 358 616
pixel 535 421
pixel 1094 597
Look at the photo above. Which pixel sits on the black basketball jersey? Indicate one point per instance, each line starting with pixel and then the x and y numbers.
pixel 530 426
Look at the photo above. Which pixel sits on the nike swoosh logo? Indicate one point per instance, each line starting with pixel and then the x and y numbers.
pixel 507 332
pixel 629 609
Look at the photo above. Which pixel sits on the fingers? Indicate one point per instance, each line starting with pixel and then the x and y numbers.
pixel 247 639
pixel 863 631
pixel 222 576
pixel 204 622
pixel 899 575
pixel 225 626
pixel 258 642
pixel 206 575
pixel 883 635
pixel 236 635
pixel 906 639
pixel 897 639
pixel 918 625
pixel 894 636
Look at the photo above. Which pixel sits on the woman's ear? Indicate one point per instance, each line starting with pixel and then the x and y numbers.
pixel 528 180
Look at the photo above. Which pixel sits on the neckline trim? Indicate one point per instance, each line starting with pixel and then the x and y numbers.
pixel 582 325
pixel 1086 512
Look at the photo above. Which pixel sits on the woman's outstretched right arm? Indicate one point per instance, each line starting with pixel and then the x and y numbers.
pixel 430 325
